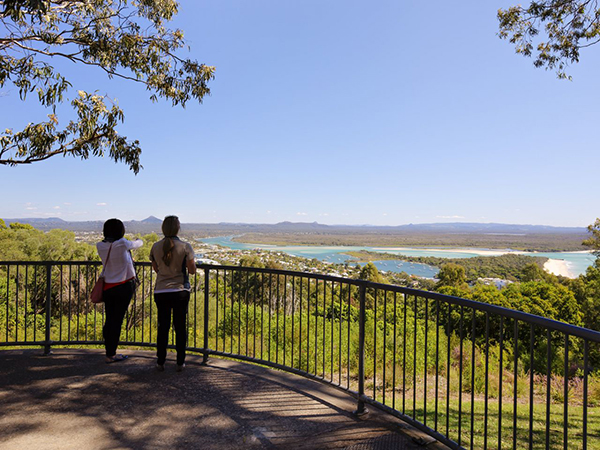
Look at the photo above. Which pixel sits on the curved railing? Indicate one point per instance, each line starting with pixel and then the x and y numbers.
pixel 471 375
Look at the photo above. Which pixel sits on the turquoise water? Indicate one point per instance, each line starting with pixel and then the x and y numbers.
pixel 578 262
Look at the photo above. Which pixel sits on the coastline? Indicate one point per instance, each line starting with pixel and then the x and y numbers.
pixel 559 267
pixel 478 252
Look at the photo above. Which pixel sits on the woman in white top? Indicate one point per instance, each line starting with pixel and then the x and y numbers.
pixel 172 260
pixel 119 283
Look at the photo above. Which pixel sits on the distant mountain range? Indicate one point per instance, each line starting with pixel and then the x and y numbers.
pixel 152 223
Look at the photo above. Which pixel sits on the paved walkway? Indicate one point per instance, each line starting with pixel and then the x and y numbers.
pixel 73 400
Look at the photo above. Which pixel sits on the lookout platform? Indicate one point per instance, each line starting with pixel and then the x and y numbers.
pixel 73 400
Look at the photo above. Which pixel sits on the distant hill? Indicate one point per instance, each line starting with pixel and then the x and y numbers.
pixel 153 223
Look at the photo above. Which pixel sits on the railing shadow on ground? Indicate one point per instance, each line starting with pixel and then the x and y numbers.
pixel 73 400
pixel 455 362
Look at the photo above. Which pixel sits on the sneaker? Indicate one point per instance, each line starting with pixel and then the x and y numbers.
pixel 180 367
pixel 160 367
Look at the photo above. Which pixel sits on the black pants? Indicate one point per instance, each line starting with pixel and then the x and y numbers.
pixel 178 303
pixel 116 302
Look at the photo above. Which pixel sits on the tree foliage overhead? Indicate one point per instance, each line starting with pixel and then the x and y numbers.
pixel 127 39
pixel 552 31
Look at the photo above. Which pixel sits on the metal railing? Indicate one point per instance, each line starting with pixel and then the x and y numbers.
pixel 471 375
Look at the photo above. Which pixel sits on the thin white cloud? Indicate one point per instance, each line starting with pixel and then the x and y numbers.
pixel 385 214
pixel 301 214
pixel 449 217
pixel 66 204
pixel 324 214
pixel 56 207
pixel 101 204
pixel 30 208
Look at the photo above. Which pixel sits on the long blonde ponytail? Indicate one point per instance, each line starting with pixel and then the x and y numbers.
pixel 170 228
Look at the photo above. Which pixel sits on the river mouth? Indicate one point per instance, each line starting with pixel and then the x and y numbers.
pixel 575 263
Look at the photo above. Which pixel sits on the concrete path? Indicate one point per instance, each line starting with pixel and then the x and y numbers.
pixel 73 400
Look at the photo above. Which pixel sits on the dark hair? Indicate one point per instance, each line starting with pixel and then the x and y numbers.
pixel 170 228
pixel 113 229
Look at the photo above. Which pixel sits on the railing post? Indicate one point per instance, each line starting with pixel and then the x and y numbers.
pixel 48 308
pixel 361 410
pixel 206 286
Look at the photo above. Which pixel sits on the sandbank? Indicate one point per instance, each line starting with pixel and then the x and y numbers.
pixel 558 267
pixel 471 251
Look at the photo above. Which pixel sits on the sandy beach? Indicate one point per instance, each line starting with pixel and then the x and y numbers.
pixel 558 267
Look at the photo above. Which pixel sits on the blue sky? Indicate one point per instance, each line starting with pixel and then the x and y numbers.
pixel 334 111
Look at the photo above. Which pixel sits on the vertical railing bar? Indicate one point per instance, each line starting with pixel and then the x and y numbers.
pixel 293 318
pixel 205 319
pixel 531 341
pixel 361 352
pixel 487 379
pixel 331 326
pixel 78 300
pixel 548 378
pixel 270 315
pixel 566 396
pixel 7 297
pixel 254 294
pixel 206 308
pixel 284 317
pixel 515 391
pixel 414 412
pixel 150 290
pixel 500 382
pixel 247 307
pixel 404 359
pixel 300 329
pixel 17 304
pixel 35 309
pixel 70 301
pixel 25 306
pixel 277 307
pixel 384 342
pixel 473 320
pixel 324 330
pixel 308 325
pixel 143 288
pixel 134 310
pixel 374 344
pixel 340 335
pixel 586 351
pixel 316 340
pixel 437 361
pixel 60 323
pixel 348 339
pixel 94 308
pixel 425 352
pixel 460 373
pixel 262 313
pixel 239 302
pixel 394 357
pixel 48 307
pixel 448 326
pixel 231 295
pixel 217 312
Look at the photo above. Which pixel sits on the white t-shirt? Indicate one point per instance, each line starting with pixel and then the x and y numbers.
pixel 120 265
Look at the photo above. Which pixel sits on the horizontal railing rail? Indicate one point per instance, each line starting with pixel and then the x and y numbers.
pixel 470 374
